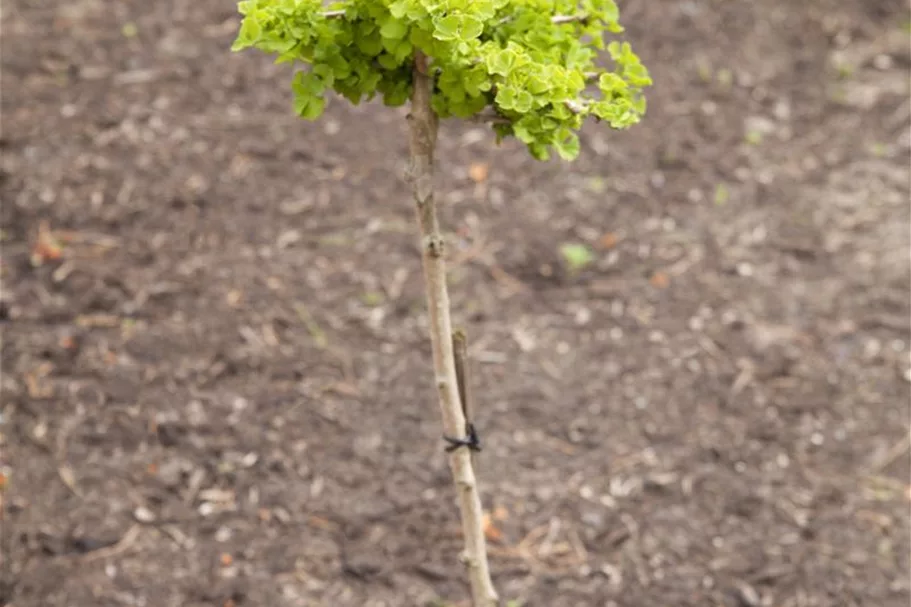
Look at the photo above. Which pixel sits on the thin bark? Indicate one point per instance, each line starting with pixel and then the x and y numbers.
pixel 562 19
pixel 422 123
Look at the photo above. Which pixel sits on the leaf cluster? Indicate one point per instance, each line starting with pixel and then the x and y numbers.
pixel 524 65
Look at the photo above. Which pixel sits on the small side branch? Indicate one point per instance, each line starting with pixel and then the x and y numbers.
pixel 557 19
pixel 460 352
pixel 562 19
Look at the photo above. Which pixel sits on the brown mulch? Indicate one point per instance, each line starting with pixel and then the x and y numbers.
pixel 216 388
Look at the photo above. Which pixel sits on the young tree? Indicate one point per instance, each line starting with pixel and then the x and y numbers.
pixel 524 66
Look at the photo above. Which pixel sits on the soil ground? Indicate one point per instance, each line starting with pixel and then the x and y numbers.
pixel 216 391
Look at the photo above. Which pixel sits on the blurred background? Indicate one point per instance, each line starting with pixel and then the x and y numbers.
pixel 690 347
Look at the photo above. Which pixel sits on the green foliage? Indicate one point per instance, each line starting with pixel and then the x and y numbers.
pixel 722 195
pixel 523 64
pixel 576 256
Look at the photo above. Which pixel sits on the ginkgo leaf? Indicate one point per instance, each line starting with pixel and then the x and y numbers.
pixel 505 58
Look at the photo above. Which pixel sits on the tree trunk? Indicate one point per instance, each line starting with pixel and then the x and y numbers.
pixel 422 124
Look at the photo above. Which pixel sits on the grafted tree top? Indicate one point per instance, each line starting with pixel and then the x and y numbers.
pixel 526 66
